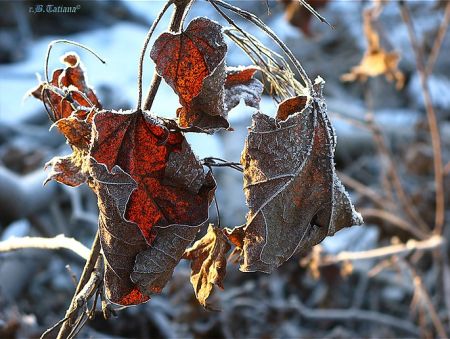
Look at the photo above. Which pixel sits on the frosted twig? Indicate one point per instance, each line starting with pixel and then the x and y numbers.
pixel 409 247
pixel 55 243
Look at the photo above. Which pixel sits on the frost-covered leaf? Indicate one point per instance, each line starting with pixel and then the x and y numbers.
pixel 241 84
pixel 121 240
pixel 294 196
pixel 208 263
pixel 193 64
pixel 67 91
pixel 172 194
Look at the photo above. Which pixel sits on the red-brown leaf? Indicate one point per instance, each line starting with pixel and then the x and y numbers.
pixel 67 91
pixel 172 194
pixel 121 240
pixel 192 63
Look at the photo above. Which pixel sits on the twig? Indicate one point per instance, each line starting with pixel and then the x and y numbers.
pixel 260 24
pixel 438 41
pixel 352 314
pixel 432 122
pixel 394 220
pixel 364 190
pixel 58 242
pixel 144 49
pixel 69 42
pixel 85 276
pixel 394 175
pixel 176 23
pixel 411 246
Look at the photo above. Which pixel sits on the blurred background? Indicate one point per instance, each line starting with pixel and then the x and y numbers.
pixel 387 278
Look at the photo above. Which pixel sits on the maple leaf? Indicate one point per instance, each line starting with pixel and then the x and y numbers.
pixel 208 263
pixel 171 198
pixel 294 196
pixel 376 60
pixel 193 64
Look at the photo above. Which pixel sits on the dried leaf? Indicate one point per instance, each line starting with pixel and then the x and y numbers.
pixel 376 60
pixel 67 91
pixel 193 64
pixel 172 194
pixel 294 196
pixel 208 263
pixel 241 84
pixel 121 240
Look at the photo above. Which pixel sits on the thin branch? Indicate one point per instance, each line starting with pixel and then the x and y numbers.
pixel 176 23
pixel 54 42
pixel 260 24
pixel 352 314
pixel 394 220
pixel 84 279
pixel 432 122
pixel 411 246
pixel 435 50
pixel 395 180
pixel 144 49
pixel 364 190
pixel 56 243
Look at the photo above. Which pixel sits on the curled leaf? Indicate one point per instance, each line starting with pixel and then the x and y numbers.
pixel 192 63
pixel 121 240
pixel 294 196
pixel 376 60
pixel 208 263
pixel 67 91
pixel 241 84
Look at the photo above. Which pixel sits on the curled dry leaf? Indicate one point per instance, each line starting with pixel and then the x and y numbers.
pixel 241 84
pixel 208 263
pixel 168 204
pixel 72 103
pixel 376 60
pixel 67 91
pixel 294 196
pixel 193 64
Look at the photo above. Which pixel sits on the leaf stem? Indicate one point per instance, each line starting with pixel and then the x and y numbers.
pixel 176 23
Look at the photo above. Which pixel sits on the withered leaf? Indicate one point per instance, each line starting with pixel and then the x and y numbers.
pixel 376 60
pixel 172 194
pixel 294 196
pixel 193 64
pixel 241 84
pixel 67 91
pixel 72 103
pixel 121 240
pixel 208 263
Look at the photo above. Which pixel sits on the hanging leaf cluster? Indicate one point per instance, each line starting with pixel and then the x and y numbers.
pixel 153 192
